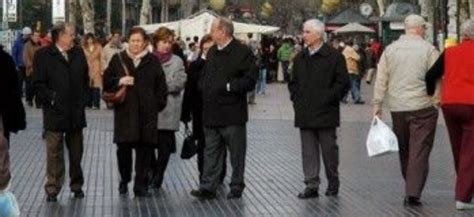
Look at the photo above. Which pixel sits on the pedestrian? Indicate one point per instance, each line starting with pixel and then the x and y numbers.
pixel 262 63
pixel 17 53
pixel 94 54
pixel 135 120
pixel 371 63
pixel 29 51
pixel 193 102
pixel 400 77
pixel 353 60
pixel 284 53
pixel 11 106
pixel 168 118
pixel 319 82
pixel 113 47
pixel 457 102
pixel 61 79
pixel 229 74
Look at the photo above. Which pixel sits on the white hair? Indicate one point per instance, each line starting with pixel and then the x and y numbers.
pixel 467 29
pixel 316 25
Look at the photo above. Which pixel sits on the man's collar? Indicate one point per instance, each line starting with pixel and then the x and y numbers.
pixel 225 45
pixel 315 50
pixel 323 50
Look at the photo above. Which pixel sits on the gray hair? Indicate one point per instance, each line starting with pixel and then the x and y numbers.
pixel 467 29
pixel 226 25
pixel 316 25
pixel 59 28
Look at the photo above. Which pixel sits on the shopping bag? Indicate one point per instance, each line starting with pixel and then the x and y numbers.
pixel 381 139
pixel 8 205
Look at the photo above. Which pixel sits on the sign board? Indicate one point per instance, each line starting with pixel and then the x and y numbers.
pixel 7 38
pixel 10 10
pixel 59 11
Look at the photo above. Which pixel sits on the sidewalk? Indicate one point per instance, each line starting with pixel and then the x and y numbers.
pixel 369 187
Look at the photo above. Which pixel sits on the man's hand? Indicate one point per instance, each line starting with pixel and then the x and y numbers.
pixel 377 112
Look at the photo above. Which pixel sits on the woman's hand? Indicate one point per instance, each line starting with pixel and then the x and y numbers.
pixel 127 81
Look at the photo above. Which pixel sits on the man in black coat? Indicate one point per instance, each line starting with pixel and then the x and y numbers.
pixel 11 106
pixel 228 75
pixel 320 80
pixel 61 83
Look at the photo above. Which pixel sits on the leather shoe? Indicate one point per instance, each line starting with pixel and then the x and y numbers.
pixel 332 192
pixel 203 194
pixel 412 201
pixel 142 194
pixel 79 194
pixel 234 194
pixel 123 188
pixel 51 198
pixel 308 193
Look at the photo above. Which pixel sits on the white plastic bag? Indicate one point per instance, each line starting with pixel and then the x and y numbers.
pixel 8 205
pixel 381 139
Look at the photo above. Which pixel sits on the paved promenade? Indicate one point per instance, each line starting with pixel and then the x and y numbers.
pixel 369 187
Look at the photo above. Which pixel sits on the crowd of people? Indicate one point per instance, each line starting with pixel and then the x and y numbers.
pixel 158 81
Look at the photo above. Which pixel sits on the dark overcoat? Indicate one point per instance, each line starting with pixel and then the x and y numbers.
pixel 136 119
pixel 318 84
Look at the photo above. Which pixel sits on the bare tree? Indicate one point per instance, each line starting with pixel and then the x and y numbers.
pixel 72 4
pixel 124 17
pixel 87 9
pixel 145 12
pixel 108 24
pixel 164 10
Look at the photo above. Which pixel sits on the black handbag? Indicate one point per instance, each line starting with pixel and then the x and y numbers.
pixel 189 144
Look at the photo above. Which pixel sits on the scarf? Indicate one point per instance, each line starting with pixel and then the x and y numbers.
pixel 137 59
pixel 163 57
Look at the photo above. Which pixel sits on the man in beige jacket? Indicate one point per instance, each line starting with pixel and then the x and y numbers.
pixel 400 78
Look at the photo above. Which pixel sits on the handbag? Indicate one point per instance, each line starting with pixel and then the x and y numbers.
pixel 381 139
pixel 189 144
pixel 117 97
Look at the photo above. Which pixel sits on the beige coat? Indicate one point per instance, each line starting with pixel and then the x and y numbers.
pixel 352 60
pixel 401 74
pixel 94 60
pixel 28 54
pixel 108 52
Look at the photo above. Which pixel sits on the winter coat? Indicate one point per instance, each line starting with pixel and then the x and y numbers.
pixel 227 77
pixel 135 120
pixel 352 60
pixel 61 87
pixel 319 82
pixel 17 51
pixel 169 118
pixel 28 55
pixel 11 106
pixel 284 52
pixel 94 60
pixel 192 100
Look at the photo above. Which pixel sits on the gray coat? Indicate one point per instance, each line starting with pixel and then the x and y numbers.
pixel 175 79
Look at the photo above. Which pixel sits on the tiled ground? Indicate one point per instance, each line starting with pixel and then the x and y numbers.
pixel 370 187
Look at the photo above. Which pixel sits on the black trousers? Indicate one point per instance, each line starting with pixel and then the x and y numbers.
pixel 142 164
pixel 200 160
pixel 159 162
pixel 94 97
pixel 21 78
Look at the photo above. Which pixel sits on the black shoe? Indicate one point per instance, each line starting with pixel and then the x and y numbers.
pixel 412 201
pixel 142 194
pixel 79 194
pixel 332 192
pixel 234 194
pixel 203 194
pixel 360 102
pixel 123 188
pixel 51 198
pixel 308 193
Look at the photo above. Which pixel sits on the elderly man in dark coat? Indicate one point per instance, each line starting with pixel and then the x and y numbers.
pixel 319 82
pixel 230 72
pixel 61 82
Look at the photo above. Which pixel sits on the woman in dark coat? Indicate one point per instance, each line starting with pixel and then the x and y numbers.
pixel 192 102
pixel 135 120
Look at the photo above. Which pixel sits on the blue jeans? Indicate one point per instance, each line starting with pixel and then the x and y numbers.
pixel 262 81
pixel 355 88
